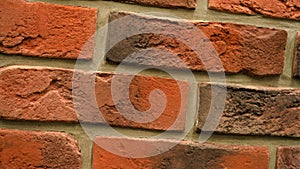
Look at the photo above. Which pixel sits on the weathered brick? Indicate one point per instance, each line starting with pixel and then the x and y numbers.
pixel 45 94
pixel 253 110
pixel 35 150
pixel 188 4
pixel 46 30
pixel 184 155
pixel 241 48
pixel 288 9
pixel 296 68
pixel 288 157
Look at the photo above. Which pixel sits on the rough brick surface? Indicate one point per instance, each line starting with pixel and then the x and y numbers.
pixel 46 30
pixel 45 94
pixel 183 155
pixel 254 111
pixel 189 4
pixel 36 150
pixel 296 68
pixel 289 9
pixel 240 48
pixel 288 157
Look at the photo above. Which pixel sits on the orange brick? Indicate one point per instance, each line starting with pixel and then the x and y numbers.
pixel 45 94
pixel 46 30
pixel 30 149
pixel 184 155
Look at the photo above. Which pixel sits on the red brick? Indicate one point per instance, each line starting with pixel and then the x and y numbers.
pixel 36 150
pixel 288 9
pixel 241 48
pixel 253 110
pixel 45 94
pixel 288 157
pixel 296 68
pixel 46 30
pixel 183 155
pixel 188 4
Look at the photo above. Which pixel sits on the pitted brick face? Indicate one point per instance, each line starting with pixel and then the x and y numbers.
pixel 184 154
pixel 296 68
pixel 45 94
pixel 238 48
pixel 287 9
pixel 253 110
pixel 35 150
pixel 46 30
pixel 288 157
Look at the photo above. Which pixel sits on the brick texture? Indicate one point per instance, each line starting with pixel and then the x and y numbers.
pixel 296 68
pixel 46 30
pixel 288 157
pixel 45 94
pixel 36 150
pixel 183 155
pixel 188 4
pixel 254 111
pixel 288 9
pixel 241 48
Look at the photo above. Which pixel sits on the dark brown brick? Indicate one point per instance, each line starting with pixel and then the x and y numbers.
pixel 289 9
pixel 183 155
pixel 46 30
pixel 288 157
pixel 45 94
pixel 241 48
pixel 35 150
pixel 296 68
pixel 188 4
pixel 253 110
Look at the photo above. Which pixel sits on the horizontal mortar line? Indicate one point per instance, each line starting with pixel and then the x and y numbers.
pixel 254 20
pixel 40 126
pixel 275 81
pixel 18 57
pixel 141 133
pixel 251 140
pixel 230 78
pixel 58 126
pixel 281 81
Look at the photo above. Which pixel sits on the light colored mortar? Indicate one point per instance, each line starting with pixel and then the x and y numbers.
pixel 202 14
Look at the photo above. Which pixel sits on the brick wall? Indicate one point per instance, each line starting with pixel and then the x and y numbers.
pixel 149 84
